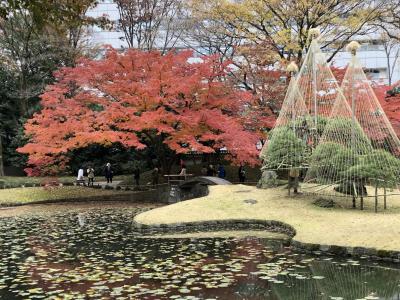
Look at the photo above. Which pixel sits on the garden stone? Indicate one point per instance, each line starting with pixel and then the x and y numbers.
pixel 268 180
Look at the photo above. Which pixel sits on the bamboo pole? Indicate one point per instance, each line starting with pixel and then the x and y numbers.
pixel 384 198
pixel 362 197
pixel 376 197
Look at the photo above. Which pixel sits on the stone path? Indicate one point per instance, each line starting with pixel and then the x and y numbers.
pixel 104 183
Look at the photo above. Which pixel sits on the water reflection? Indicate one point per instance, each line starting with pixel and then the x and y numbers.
pixel 96 254
pixel 81 219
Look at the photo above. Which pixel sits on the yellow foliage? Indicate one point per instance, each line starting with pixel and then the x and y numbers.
pixel 286 24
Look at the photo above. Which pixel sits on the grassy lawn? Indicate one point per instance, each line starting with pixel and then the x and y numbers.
pixel 37 194
pixel 17 181
pixel 20 180
pixel 341 226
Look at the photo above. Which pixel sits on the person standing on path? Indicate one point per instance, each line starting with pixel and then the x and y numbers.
pixel 221 171
pixel 90 172
pixel 108 172
pixel 210 170
pixel 80 175
pixel 204 171
pixel 294 174
pixel 183 172
pixel 154 176
pixel 136 175
pixel 242 174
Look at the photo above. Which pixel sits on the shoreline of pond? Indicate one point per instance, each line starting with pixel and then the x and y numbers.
pixel 229 207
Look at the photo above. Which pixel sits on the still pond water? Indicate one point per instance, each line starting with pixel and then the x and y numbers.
pixel 93 253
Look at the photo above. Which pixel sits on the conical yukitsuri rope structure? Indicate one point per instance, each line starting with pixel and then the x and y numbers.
pixel 340 134
pixel 340 148
pixel 382 166
pixel 358 151
pixel 286 146
pixel 308 103
pixel 317 85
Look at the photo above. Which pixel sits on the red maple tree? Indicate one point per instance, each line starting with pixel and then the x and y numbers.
pixel 390 104
pixel 141 99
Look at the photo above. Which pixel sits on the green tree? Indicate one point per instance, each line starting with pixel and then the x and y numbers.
pixel 9 115
pixel 343 131
pixel 341 147
pixel 284 149
pixel 332 160
pixel 36 38
pixel 378 167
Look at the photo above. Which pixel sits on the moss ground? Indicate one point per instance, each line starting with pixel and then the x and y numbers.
pixel 341 226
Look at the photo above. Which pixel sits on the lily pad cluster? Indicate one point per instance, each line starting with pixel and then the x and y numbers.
pixel 96 254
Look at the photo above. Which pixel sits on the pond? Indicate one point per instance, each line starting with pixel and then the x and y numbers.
pixel 93 253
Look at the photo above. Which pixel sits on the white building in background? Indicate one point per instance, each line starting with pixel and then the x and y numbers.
pixel 99 36
pixel 376 61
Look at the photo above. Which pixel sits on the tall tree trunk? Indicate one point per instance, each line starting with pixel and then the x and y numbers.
pixel 1 159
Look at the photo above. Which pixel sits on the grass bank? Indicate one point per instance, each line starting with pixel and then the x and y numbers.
pixel 340 226
pixel 18 196
pixel 17 181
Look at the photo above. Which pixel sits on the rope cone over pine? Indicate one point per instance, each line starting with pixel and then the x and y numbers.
pixel 314 33
pixel 338 136
pixel 352 47
pixel 292 68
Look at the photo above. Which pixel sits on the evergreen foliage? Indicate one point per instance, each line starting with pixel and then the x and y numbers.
pixel 285 149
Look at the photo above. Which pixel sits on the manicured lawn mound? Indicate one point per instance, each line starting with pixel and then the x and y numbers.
pixel 37 194
pixel 339 226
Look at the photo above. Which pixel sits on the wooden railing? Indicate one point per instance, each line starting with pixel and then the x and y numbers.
pixel 177 179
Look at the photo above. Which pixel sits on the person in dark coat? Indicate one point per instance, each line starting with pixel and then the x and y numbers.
pixel 154 176
pixel 108 172
pixel 221 171
pixel 204 171
pixel 136 175
pixel 210 170
pixel 242 174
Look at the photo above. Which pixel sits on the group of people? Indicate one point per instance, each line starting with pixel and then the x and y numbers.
pixel 208 170
pixel 108 173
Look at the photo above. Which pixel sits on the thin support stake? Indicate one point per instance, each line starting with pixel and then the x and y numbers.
pixel 384 197
pixel 362 197
pixel 376 197
pixel 354 194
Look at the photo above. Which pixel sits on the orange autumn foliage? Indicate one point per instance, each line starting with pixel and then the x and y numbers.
pixel 390 104
pixel 140 99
